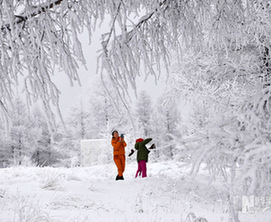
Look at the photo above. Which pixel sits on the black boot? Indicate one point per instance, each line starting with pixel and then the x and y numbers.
pixel 121 178
pixel 117 178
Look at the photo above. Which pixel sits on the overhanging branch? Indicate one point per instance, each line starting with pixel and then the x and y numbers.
pixel 24 18
pixel 143 20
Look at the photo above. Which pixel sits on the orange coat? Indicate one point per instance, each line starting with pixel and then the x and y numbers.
pixel 119 147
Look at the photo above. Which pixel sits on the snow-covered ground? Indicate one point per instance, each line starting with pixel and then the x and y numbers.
pixel 82 194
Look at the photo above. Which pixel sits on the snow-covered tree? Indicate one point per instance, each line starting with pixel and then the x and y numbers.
pixel 143 114
pixel 78 120
pixel 67 148
pixel 5 144
pixel 104 113
pixel 164 125
pixel 21 133
pixel 44 154
pixel 39 36
pixel 229 93
pixel 78 127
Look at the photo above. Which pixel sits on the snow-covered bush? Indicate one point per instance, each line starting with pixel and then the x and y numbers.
pixel 53 180
pixel 28 210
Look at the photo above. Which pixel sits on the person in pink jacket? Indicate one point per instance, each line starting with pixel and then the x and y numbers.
pixel 142 155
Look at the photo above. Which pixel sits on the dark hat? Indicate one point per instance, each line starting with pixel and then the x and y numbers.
pixel 114 131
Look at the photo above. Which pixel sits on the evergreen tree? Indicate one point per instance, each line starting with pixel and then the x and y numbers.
pixel 22 136
pixel 107 110
pixel 45 153
pixel 167 119
pixel 102 111
pixel 78 127
pixel 144 112
pixel 78 121
pixel 5 144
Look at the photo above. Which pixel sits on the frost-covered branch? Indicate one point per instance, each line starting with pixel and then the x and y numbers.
pixel 36 38
pixel 145 36
pixel 36 11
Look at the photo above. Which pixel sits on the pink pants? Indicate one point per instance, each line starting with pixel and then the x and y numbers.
pixel 142 168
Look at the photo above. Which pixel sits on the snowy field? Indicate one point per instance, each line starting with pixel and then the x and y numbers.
pixel 32 194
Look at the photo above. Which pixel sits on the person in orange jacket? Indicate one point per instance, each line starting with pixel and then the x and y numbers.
pixel 119 145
